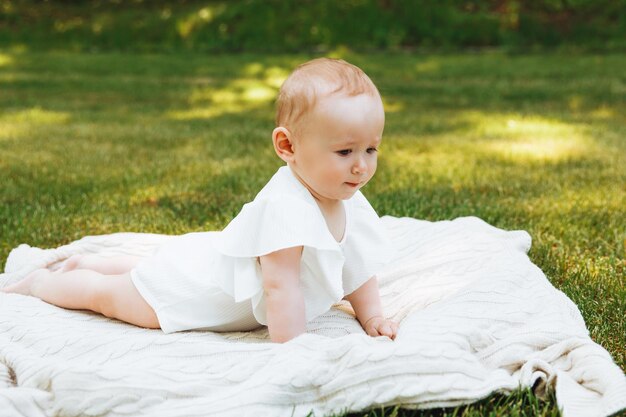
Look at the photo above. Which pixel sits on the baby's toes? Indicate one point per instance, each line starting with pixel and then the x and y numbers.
pixel 21 287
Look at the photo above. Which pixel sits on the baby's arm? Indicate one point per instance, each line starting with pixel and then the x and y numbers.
pixel 365 301
pixel 283 297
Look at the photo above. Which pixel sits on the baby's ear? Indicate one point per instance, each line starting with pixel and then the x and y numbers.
pixel 283 143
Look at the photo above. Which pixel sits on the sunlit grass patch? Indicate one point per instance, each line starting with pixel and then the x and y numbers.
pixel 34 116
pixel 603 112
pixel 257 90
pixel 239 91
pixel 520 138
pixel 6 60
pixel 550 149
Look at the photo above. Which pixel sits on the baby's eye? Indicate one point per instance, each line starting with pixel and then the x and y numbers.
pixel 344 152
pixel 372 150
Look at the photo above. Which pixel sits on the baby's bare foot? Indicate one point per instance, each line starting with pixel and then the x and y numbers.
pixel 71 263
pixel 24 286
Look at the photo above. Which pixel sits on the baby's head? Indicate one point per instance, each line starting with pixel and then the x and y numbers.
pixel 329 124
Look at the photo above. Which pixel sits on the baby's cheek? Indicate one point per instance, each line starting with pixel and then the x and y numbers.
pixel 373 168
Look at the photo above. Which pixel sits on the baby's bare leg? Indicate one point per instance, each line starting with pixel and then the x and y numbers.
pixel 112 265
pixel 114 296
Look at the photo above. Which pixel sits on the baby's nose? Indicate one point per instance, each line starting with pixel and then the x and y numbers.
pixel 359 166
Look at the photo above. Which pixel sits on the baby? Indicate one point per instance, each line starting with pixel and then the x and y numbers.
pixel 308 240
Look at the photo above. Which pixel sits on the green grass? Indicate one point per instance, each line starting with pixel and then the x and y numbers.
pixel 258 25
pixel 101 143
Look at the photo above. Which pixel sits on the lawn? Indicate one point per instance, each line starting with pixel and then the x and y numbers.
pixel 102 143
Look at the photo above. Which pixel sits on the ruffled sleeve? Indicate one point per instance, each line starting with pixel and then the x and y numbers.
pixel 368 247
pixel 269 224
pixel 266 225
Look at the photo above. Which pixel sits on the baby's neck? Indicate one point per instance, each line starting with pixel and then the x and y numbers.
pixel 328 206
pixel 335 217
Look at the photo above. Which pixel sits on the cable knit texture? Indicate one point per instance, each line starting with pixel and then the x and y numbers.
pixel 476 317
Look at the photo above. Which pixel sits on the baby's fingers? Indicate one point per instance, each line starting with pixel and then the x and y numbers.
pixel 389 329
pixel 394 328
pixel 385 330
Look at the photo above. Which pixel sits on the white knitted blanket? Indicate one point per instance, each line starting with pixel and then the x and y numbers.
pixel 476 316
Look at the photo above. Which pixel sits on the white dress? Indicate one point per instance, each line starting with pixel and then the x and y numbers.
pixel 213 281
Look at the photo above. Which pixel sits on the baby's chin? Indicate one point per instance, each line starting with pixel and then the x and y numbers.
pixel 336 196
pixel 339 192
pixel 349 193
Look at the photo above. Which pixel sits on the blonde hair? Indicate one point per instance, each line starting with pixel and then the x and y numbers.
pixel 314 79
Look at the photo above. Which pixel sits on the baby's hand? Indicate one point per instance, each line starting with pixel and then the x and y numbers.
pixel 380 326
